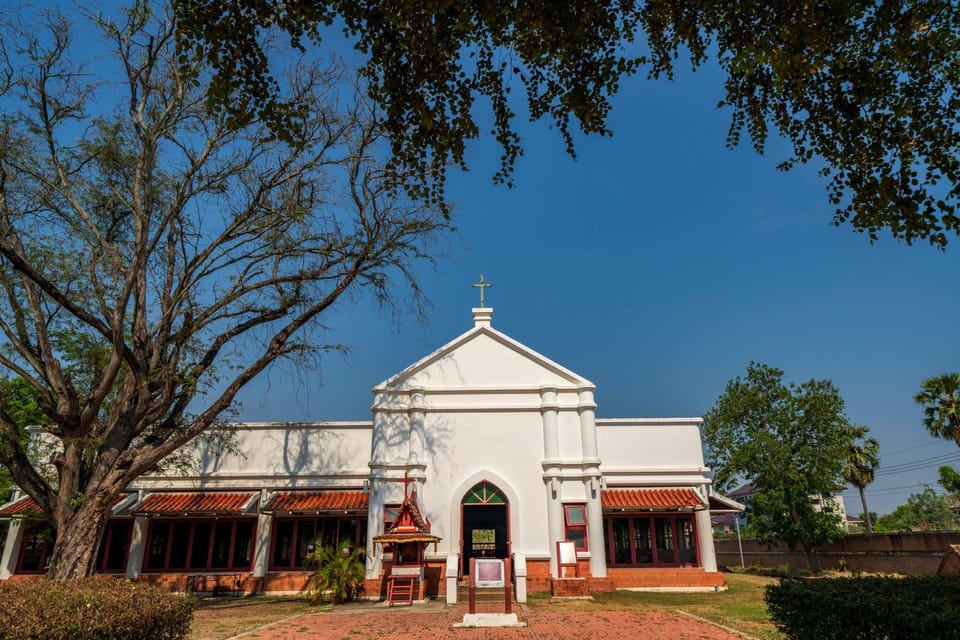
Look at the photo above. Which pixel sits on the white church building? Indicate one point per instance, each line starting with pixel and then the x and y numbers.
pixel 505 455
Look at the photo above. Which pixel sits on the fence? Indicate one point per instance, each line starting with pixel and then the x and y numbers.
pixel 915 553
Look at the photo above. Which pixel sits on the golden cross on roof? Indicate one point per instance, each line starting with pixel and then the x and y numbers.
pixel 481 285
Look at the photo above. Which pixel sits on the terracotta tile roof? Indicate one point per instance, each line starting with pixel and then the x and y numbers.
pixel 181 504
pixel 315 501
pixel 27 506
pixel 22 507
pixel 650 499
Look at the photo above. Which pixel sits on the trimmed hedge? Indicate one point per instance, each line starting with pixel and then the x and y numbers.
pixel 867 608
pixel 92 609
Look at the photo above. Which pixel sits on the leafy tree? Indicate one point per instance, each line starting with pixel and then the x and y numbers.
pixel 924 511
pixel 940 397
pixel 949 479
pixel 155 258
pixel 861 464
pixel 19 400
pixel 867 90
pixel 791 441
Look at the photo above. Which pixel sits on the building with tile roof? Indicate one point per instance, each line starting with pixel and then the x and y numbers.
pixel 503 450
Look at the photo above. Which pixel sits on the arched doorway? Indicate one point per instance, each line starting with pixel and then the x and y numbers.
pixel 484 529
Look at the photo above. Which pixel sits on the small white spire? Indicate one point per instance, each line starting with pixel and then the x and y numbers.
pixel 482 316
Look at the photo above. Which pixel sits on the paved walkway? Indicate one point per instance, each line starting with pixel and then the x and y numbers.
pixel 433 622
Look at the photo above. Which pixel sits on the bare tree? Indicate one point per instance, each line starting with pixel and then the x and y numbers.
pixel 155 258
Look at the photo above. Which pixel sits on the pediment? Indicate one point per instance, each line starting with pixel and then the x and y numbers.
pixel 483 358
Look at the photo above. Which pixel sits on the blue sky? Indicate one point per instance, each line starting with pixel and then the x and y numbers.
pixel 657 265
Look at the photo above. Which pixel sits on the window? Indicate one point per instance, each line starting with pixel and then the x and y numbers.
pixel 294 538
pixel 575 525
pixel 112 556
pixel 199 545
pixel 36 547
pixel 650 540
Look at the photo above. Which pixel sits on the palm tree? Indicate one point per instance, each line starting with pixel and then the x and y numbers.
pixel 861 464
pixel 940 397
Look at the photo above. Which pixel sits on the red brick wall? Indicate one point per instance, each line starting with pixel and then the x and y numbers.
pixel 674 577
pixel 917 553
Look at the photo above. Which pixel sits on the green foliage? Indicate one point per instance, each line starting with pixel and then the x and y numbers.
pixel 791 441
pixel 868 89
pixel 20 408
pixel 940 398
pixel 867 608
pixel 861 465
pixel 92 609
pixel 339 575
pixel 949 479
pixel 924 511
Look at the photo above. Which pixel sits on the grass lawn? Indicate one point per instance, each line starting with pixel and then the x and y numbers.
pixel 740 607
pixel 219 618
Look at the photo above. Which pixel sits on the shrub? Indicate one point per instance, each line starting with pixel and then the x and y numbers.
pixel 92 609
pixel 340 573
pixel 866 608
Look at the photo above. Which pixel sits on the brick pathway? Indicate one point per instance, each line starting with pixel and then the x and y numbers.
pixel 409 624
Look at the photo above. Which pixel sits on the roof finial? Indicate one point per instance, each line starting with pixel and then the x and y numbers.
pixel 481 285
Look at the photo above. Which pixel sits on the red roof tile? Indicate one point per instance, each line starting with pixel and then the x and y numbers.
pixel 27 506
pixel 179 504
pixel 312 501
pixel 22 507
pixel 650 499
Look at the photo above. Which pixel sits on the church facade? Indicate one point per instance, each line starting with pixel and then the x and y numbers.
pixel 501 447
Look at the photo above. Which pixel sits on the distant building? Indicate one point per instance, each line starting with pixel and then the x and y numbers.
pixel 744 495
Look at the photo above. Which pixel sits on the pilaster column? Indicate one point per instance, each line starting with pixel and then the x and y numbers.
pixel 708 557
pixel 138 544
pixel 8 564
pixel 416 440
pixel 598 560
pixel 261 549
pixel 374 525
pixel 551 470
pixel 587 409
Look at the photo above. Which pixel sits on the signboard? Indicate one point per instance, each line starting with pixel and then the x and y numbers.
pixel 568 553
pixel 489 572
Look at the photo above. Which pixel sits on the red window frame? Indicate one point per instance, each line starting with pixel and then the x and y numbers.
pixel 673 538
pixel 37 529
pixel 575 527
pixel 111 538
pixel 321 527
pixel 189 554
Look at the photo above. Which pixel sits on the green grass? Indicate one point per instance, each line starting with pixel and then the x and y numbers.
pixel 740 607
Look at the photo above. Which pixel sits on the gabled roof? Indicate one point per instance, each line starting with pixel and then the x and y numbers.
pixel 478 332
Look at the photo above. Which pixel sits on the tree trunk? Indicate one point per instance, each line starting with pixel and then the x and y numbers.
pixel 78 540
pixel 812 559
pixel 866 512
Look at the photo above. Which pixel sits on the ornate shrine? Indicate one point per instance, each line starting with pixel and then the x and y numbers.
pixel 408 536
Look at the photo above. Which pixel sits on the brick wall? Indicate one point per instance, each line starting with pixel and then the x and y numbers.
pixel 915 553
pixel 664 577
